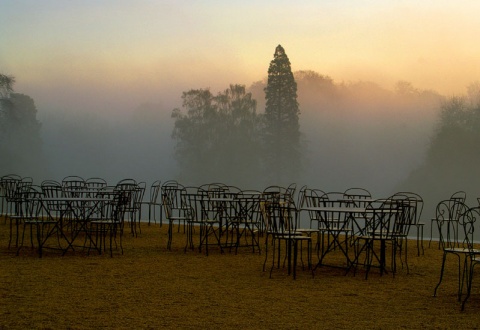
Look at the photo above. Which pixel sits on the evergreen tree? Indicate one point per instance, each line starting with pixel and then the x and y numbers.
pixel 281 131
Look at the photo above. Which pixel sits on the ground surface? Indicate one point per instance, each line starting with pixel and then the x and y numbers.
pixel 150 287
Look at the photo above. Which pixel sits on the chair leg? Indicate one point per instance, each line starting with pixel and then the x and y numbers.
pixel 441 274
pixel 469 274
pixel 266 251
pixel 273 256
pixel 170 234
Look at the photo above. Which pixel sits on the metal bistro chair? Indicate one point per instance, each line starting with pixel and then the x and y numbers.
pixel 245 219
pixel 459 196
pixel 130 188
pixel 281 227
pixel 202 217
pixel 417 204
pixel 176 208
pixel 383 219
pixel 93 185
pixel 109 220
pixel 448 214
pixel 4 186
pixel 153 202
pixel 74 186
pixel 12 198
pixel 469 221
pixel 33 217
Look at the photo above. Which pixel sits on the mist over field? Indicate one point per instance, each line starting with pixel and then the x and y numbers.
pixel 354 134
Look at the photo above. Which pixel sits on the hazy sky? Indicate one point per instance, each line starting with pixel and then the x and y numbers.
pixel 118 53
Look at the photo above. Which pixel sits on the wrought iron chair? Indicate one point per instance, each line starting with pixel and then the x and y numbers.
pixel 448 218
pixel 202 217
pixel 153 201
pixel 459 196
pixel 469 220
pixel 176 208
pixel 384 220
pixel 281 227
pixel 245 219
pixel 109 219
pixel 32 216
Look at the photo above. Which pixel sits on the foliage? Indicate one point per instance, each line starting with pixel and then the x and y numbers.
pixel 217 136
pixel 6 85
pixel 452 160
pixel 281 121
pixel 20 142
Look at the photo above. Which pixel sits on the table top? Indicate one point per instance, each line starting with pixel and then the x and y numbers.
pixel 75 199
pixel 346 209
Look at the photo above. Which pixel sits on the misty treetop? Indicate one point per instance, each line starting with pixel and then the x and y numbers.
pixel 20 142
pixel 281 124
pixel 6 86
pixel 452 159
pixel 217 137
pixel 222 138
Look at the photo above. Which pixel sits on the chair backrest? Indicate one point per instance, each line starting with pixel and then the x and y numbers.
pixel 155 191
pixel 232 191
pixel 173 198
pixel 115 204
pixel 74 186
pixel 448 213
pixel 139 193
pixel 276 194
pixel 9 186
pixel 291 189
pixel 280 217
pixel 30 202
pixel 73 181
pixel 459 196
pixel 53 189
pixel 336 198
pixel 468 220
pixel 405 216
pixel 360 196
pixel 130 191
pixel 417 203
pixel 384 218
pixel 95 183
pixel 127 181
pixel 275 190
pixel 246 206
pixel 360 192
pixel 193 197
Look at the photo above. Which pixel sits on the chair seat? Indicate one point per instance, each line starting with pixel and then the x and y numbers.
pixel 39 221
pixel 461 250
pixel 308 230
pixel 104 221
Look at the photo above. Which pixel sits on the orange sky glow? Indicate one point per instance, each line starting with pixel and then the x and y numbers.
pixel 149 50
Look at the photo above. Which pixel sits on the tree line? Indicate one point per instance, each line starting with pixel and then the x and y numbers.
pixel 20 142
pixel 223 138
pixel 265 130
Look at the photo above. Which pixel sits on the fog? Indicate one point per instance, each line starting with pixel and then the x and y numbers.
pixel 356 134
pixel 113 147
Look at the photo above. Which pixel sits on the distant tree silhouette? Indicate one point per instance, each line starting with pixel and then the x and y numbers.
pixel 452 159
pixel 6 86
pixel 282 130
pixel 217 137
pixel 20 142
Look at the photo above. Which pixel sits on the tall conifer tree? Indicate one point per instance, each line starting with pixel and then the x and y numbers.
pixel 282 129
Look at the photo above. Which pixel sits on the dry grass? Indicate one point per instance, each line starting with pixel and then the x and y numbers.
pixel 150 287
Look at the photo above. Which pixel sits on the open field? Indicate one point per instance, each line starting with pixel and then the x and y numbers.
pixel 150 287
